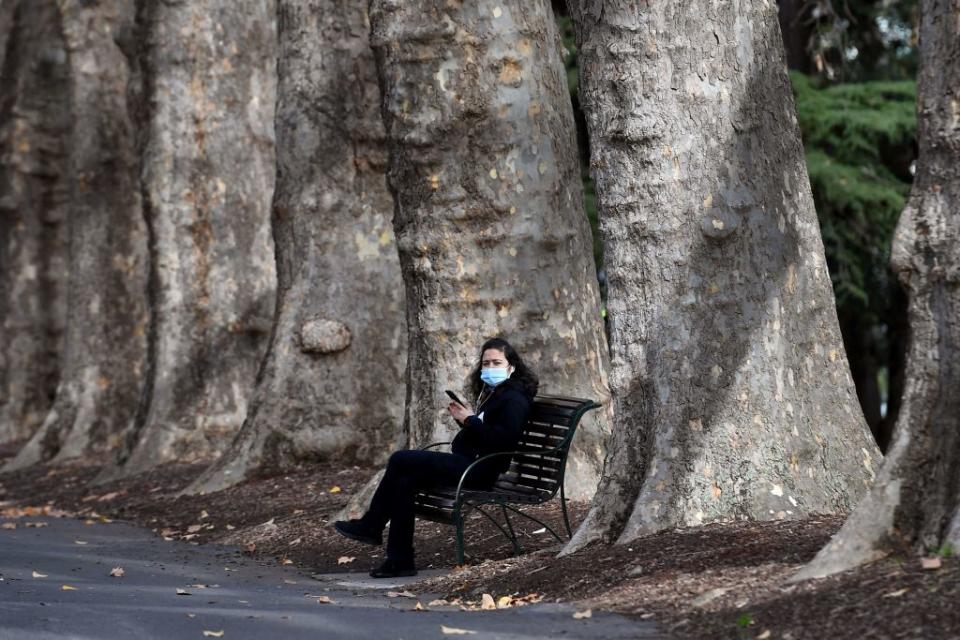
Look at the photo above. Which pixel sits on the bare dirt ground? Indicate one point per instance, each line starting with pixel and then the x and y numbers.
pixel 718 581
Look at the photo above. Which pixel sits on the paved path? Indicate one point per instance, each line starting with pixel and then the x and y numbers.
pixel 243 598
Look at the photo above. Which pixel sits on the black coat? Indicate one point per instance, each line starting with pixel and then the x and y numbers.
pixel 504 415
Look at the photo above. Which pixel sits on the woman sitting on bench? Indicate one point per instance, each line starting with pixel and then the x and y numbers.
pixel 504 387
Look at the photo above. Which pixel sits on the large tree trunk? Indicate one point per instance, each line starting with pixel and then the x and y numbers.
pixel 34 112
pixel 489 216
pixel 105 341
pixel 208 173
pixel 916 499
pixel 732 394
pixel 332 381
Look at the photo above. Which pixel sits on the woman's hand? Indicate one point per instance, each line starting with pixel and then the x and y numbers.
pixel 459 412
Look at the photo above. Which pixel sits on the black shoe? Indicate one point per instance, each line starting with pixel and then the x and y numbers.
pixel 356 530
pixel 394 569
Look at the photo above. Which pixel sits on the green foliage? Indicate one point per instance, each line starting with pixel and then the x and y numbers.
pixel 946 551
pixel 859 141
pixel 745 621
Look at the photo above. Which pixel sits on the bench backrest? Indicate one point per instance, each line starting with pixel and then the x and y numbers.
pixel 545 442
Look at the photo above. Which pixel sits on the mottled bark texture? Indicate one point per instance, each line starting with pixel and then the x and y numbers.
pixel 731 391
pixel 489 216
pixel 332 382
pixel 208 171
pixel 34 112
pixel 916 499
pixel 105 342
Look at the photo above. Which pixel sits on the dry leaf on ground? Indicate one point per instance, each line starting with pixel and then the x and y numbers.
pixel 322 599
pixel 183 592
pixel 117 572
pixel 580 615
pixel 335 489
pixel 400 594
pixel 419 607
pixel 453 631
pixel 194 528
pixel 39 575
pixel 930 563
pixel 504 601
pixel 10 526
pixel 345 559
pixel 212 634
pixel 896 594
pixel 67 587
pixel 487 603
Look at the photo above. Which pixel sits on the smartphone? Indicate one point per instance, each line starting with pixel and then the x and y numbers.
pixel 454 397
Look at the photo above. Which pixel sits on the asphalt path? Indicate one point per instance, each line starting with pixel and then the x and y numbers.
pixel 55 582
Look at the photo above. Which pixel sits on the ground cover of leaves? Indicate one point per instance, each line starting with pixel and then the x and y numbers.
pixel 717 581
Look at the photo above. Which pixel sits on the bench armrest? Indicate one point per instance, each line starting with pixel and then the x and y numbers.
pixel 493 455
pixel 432 445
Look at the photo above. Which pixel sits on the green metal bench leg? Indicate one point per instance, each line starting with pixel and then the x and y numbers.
pixel 458 521
pixel 563 507
pixel 517 549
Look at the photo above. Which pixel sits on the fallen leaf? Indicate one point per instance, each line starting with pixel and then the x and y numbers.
pixel 487 603
pixel 67 587
pixel 453 631
pixel 897 593
pixel 212 634
pixel 204 514
pixel 183 592
pixel 9 526
pixel 419 607
pixel 345 559
pixel 763 636
pixel 294 542
pixel 286 561
pixel 322 599
pixel 36 525
pixel 438 603
pixel 289 582
pixel 580 615
pixel 335 489
pixel 194 528
pixel 400 594
pixel 108 496
pixel 117 572
pixel 230 527
pixel 81 542
pixel 930 563
pixel 542 530
pixel 191 615
pixel 199 586
pixel 189 536
pixel 504 601
pixel 39 575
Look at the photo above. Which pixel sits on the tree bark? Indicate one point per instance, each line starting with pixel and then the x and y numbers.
pixel 34 111
pixel 208 173
pixel 332 381
pixel 489 215
pixel 731 391
pixel 105 341
pixel 916 499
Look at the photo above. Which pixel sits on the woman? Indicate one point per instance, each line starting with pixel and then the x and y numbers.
pixel 504 388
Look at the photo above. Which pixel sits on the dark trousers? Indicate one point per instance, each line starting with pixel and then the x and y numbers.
pixel 408 472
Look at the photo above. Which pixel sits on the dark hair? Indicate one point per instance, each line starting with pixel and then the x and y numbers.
pixel 522 375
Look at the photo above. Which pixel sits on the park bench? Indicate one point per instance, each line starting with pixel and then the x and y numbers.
pixel 534 477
